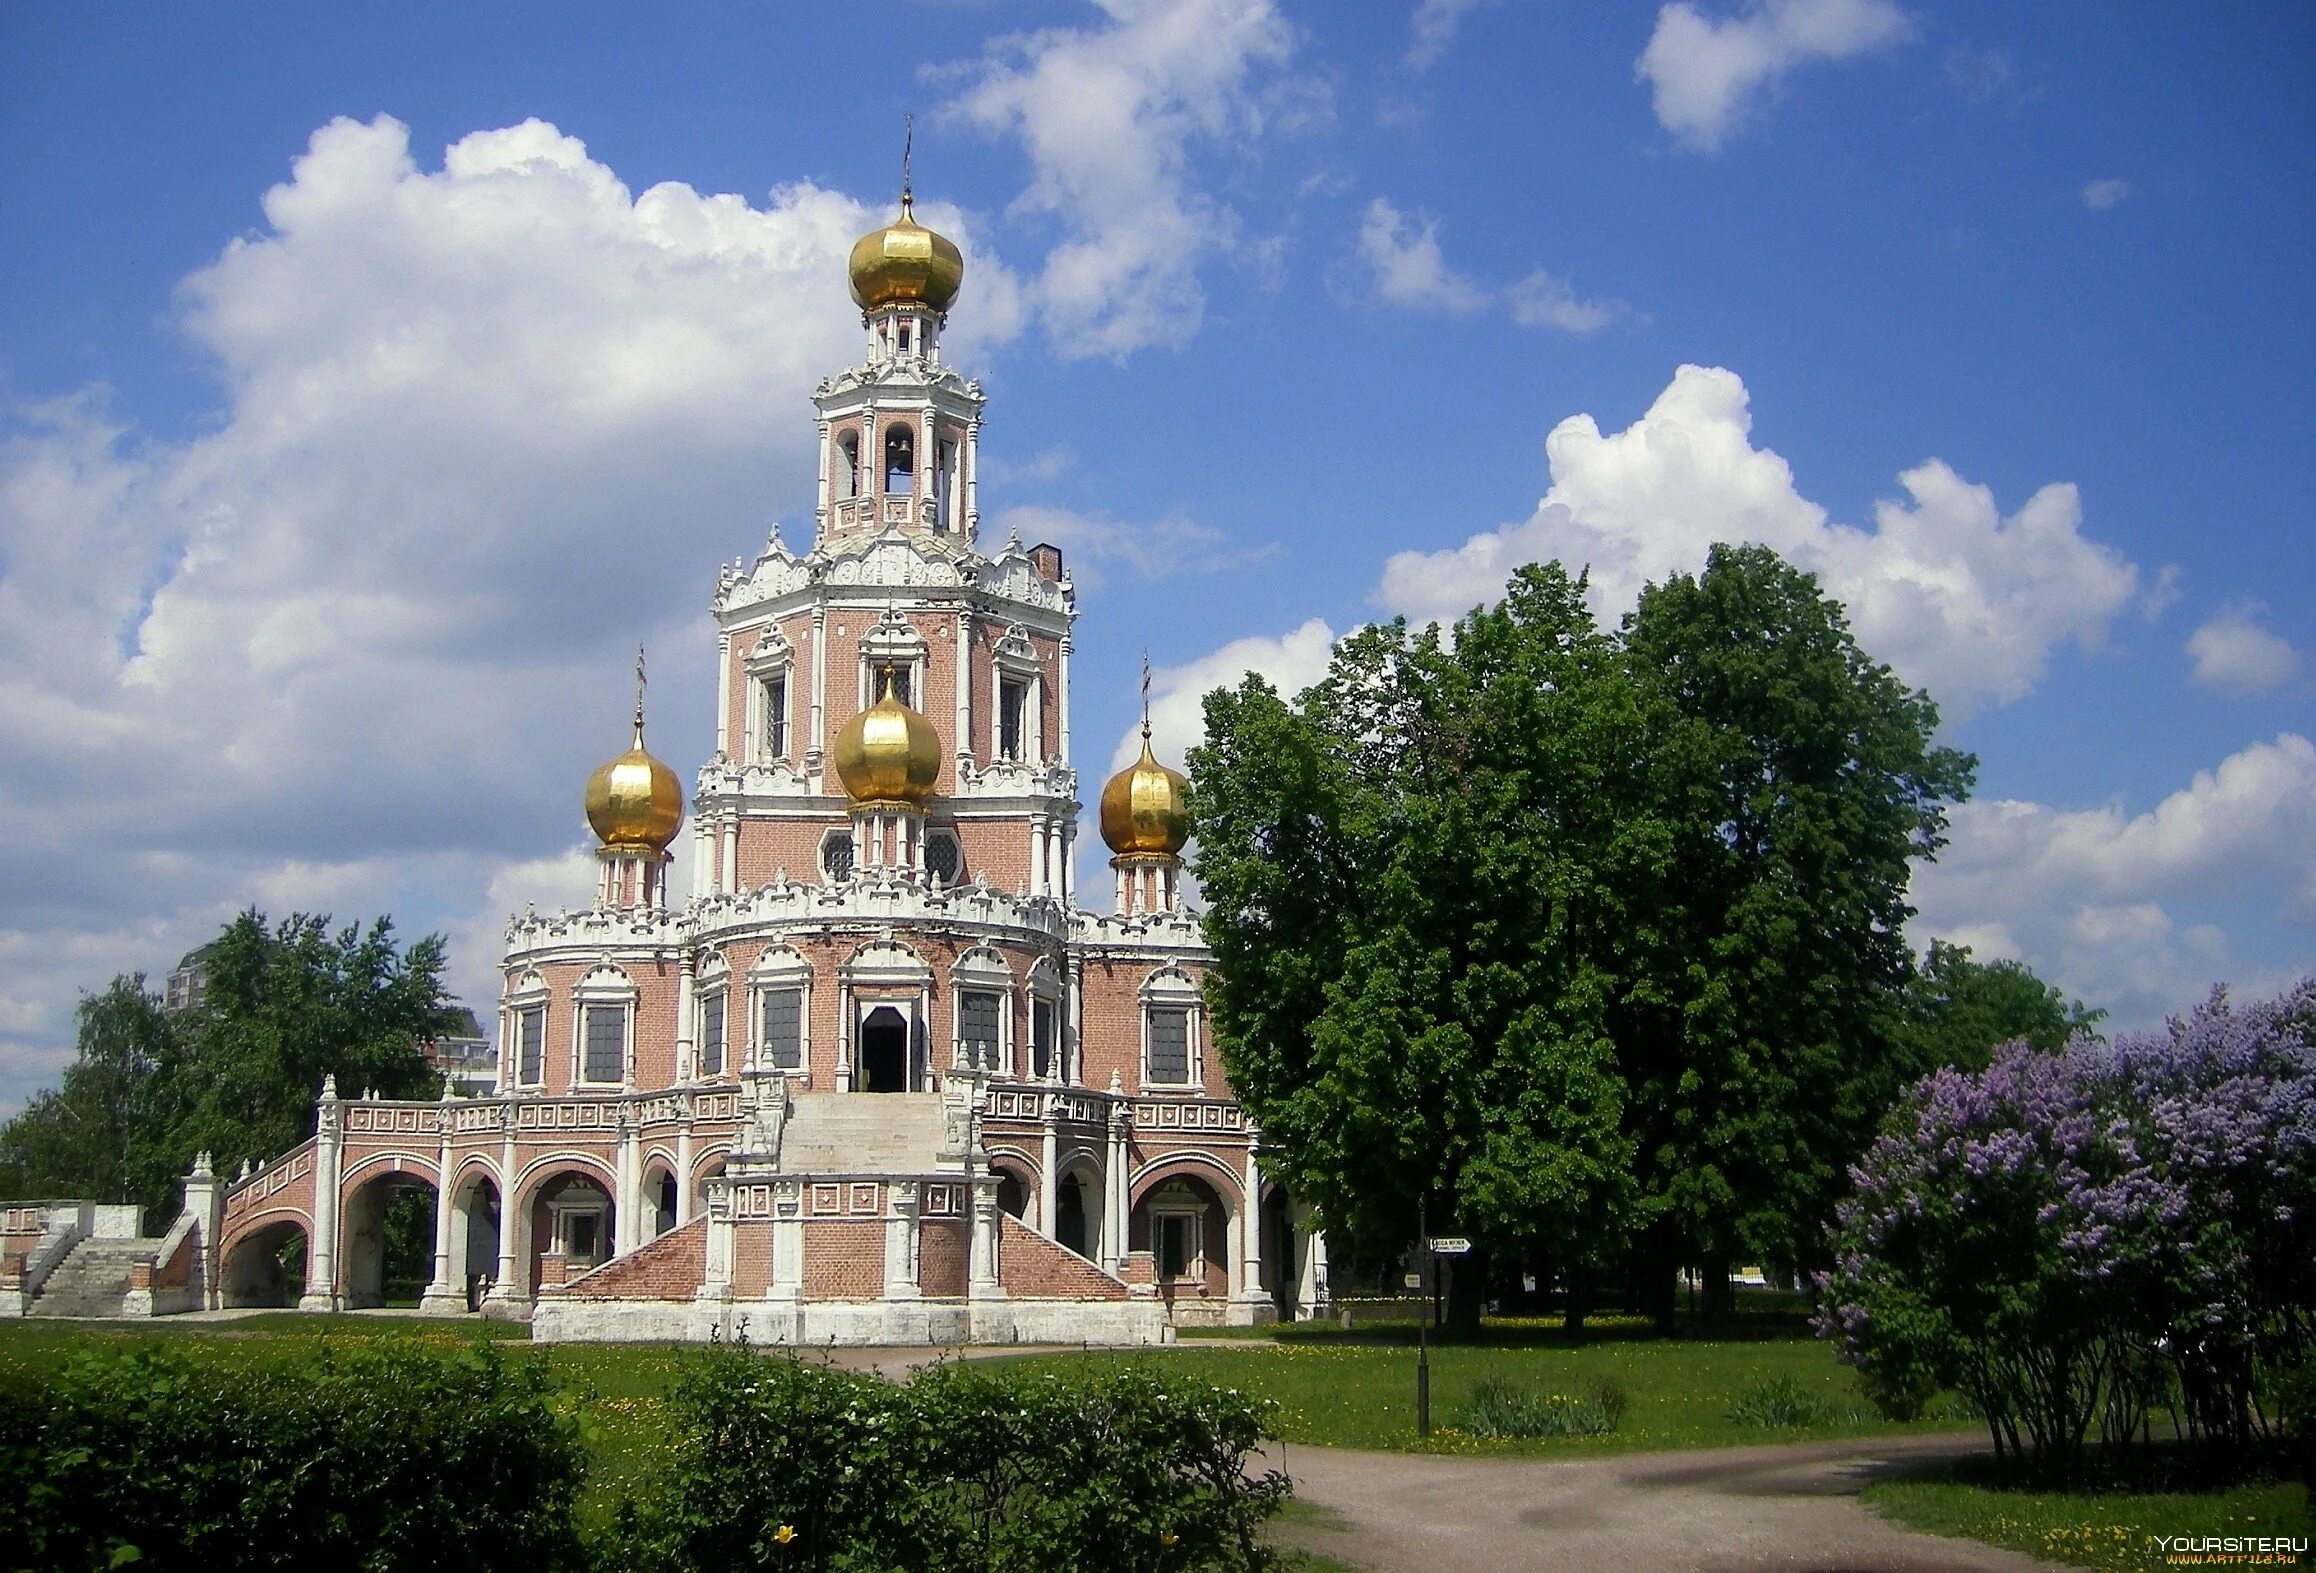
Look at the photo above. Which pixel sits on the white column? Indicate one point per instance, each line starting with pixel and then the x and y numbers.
pixel 442 1294
pixel 1070 863
pixel 964 739
pixel 927 456
pixel 716 1281
pixel 973 479
pixel 322 1259
pixel 1074 1018
pixel 787 1241
pixel 901 1241
pixel 1062 697
pixel 724 694
pixel 845 1025
pixel 1037 855
pixel 1250 1276
pixel 1048 1182
pixel 511 1229
pixel 686 1066
pixel 827 462
pixel 683 1207
pixel 626 1203
pixel 819 692
pixel 731 828
pixel 982 1280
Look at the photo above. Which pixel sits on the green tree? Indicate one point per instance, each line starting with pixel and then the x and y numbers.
pixel 236 1074
pixel 1959 1009
pixel 1412 876
pixel 1593 940
pixel 1797 779
pixel 92 1134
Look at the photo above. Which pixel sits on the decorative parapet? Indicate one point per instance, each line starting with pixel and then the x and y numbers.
pixel 873 902
pixel 1189 1116
pixel 249 1194
pixel 1176 932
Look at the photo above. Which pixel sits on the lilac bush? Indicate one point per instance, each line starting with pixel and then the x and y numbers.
pixel 2072 1240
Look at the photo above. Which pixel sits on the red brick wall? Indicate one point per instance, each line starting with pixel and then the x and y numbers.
pixel 942 1258
pixel 844 1259
pixel 751 1260
pixel 669 1268
pixel 1032 1266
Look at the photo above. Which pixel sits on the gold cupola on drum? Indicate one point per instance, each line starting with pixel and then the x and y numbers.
pixel 1146 820
pixel 888 757
pixel 634 804
pixel 905 264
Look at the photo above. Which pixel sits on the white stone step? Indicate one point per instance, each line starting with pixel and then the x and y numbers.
pixel 862 1133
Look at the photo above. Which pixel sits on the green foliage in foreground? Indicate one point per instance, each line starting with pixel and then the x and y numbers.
pixel 2092 1529
pixel 362 1455
pixel 1501 1408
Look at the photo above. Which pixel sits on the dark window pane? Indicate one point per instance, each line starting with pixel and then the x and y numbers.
pixel 531 1039
pixel 977 1027
pixel 836 855
pixel 606 1048
pixel 1170 1044
pixel 1041 1038
pixel 942 857
pixel 784 1029
pixel 712 1035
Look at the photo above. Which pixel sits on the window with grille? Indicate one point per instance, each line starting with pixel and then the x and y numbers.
pixel 1012 710
pixel 712 1035
pixel 942 857
pixel 1169 1043
pixel 1177 1246
pixel 531 1045
pixel 1041 1038
pixel 605 1050
pixel 836 855
pixel 776 716
pixel 784 1029
pixel 977 1028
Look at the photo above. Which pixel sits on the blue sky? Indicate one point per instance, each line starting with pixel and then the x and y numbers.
pixel 370 384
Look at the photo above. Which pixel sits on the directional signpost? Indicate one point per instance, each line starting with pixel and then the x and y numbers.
pixel 1428 1245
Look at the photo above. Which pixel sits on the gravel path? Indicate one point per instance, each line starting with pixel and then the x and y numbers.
pixel 1791 1506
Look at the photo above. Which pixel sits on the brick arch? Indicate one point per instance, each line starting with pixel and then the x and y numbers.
pixel 1205 1167
pixel 403 1163
pixel 247 1268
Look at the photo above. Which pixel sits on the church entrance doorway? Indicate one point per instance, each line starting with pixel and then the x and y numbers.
pixel 884 1051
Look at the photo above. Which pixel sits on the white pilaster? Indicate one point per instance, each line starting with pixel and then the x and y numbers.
pixel 321 1292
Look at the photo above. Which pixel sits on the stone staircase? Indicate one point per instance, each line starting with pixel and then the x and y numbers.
pixel 92 1278
pixel 862 1133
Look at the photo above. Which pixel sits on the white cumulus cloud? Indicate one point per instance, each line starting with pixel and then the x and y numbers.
pixel 2233 652
pixel 1092 544
pixel 1431 31
pixel 1705 73
pixel 484 426
pixel 1109 117
pixel 1956 596
pixel 1291 662
pixel 2112 906
pixel 1404 261
pixel 2100 195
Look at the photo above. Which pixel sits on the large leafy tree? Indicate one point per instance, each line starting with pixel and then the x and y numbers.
pixel 234 1075
pixel 1797 778
pixel 1589 938
pixel 1958 1009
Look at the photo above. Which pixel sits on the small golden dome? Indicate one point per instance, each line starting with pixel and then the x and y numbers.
pixel 905 263
pixel 1146 809
pixel 888 753
pixel 634 802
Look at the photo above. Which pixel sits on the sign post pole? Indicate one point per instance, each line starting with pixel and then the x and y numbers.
pixel 1422 1344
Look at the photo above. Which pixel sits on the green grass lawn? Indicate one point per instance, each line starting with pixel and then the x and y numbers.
pixel 2090 1529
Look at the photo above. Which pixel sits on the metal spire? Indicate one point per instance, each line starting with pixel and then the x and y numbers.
pixel 908 143
pixel 639 682
pixel 1145 698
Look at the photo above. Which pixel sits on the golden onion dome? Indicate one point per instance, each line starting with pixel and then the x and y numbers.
pixel 888 753
pixel 905 263
pixel 1146 808
pixel 634 802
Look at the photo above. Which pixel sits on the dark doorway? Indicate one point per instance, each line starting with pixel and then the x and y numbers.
pixel 884 1051
pixel 1281 1251
pixel 1069 1217
pixel 1012 1195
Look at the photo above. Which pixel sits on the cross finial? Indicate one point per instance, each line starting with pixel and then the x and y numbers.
pixel 639 682
pixel 908 144
pixel 1145 696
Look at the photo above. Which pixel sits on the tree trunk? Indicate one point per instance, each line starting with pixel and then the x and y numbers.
pixel 1467 1287
pixel 1659 1272
pixel 1720 1295
pixel 1577 1302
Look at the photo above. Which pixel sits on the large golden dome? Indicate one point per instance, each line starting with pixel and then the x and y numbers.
pixel 905 263
pixel 634 802
pixel 888 753
pixel 1146 809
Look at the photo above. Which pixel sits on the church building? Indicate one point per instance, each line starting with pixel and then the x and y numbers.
pixel 880 1078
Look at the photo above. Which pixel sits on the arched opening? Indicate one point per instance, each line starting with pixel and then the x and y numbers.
pixel 571 1217
pixel 1073 1215
pixel 387 1235
pixel 266 1267
pixel 900 459
pixel 884 1051
pixel 1282 1262
pixel 474 1238
pixel 1012 1192
pixel 659 1186
pixel 846 478
pixel 700 1178
pixel 1182 1222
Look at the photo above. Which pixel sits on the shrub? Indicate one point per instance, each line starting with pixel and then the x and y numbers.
pixel 1779 1403
pixel 1499 1408
pixel 383 1457
pixel 2074 1240
pixel 781 1464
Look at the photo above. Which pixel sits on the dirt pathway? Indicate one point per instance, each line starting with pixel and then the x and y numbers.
pixel 1791 1506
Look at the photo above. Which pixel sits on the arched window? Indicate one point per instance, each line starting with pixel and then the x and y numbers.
pixel 900 458
pixel 846 478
